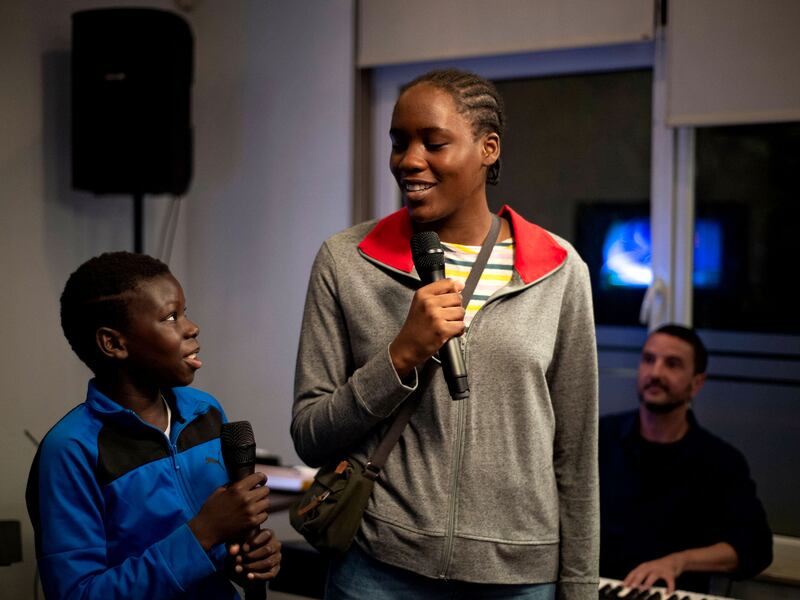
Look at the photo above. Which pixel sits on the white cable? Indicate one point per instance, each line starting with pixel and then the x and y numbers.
pixel 653 303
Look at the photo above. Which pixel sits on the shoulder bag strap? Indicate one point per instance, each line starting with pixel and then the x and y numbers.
pixel 480 262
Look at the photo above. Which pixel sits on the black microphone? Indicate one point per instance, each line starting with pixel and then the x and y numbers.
pixel 239 453
pixel 429 261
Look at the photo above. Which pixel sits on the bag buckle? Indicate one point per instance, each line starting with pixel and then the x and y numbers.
pixel 371 471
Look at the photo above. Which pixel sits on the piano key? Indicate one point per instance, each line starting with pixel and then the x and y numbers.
pixel 612 589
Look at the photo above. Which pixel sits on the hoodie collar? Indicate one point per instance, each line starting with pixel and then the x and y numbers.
pixel 536 253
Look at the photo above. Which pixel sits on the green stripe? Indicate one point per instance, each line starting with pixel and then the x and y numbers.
pixel 501 244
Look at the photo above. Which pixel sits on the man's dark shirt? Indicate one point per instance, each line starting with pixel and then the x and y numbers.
pixel 656 499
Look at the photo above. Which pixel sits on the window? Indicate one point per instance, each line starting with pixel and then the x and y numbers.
pixel 747 182
pixel 576 160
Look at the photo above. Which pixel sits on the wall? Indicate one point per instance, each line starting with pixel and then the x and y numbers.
pixel 272 114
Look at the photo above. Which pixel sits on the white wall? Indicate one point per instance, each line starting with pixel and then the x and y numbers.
pixel 274 162
pixel 273 150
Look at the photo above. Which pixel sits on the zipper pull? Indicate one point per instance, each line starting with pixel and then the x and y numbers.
pixel 174 451
pixel 315 501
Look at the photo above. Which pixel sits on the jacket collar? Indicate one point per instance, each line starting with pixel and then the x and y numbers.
pixel 536 253
pixel 105 407
pixel 99 403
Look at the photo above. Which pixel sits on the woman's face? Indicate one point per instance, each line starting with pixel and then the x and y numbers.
pixel 436 160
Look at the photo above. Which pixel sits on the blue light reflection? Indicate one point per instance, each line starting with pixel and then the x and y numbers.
pixel 627 254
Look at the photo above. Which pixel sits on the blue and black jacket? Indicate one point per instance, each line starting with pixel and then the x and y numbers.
pixel 110 499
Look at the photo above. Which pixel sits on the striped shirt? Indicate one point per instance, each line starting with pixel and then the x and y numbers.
pixel 458 263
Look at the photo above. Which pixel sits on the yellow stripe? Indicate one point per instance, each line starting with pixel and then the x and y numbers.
pixel 465 249
pixel 452 272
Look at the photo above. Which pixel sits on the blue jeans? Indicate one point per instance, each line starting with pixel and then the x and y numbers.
pixel 358 576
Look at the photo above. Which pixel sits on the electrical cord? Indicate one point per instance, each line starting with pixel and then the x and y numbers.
pixel 169 229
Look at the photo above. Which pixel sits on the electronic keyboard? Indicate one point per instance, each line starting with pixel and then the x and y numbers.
pixel 609 589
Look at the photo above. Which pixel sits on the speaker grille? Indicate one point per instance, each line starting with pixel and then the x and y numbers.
pixel 427 252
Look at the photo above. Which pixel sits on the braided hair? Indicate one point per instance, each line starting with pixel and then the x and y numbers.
pixel 98 295
pixel 476 98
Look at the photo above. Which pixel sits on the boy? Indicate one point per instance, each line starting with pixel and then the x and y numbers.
pixel 125 492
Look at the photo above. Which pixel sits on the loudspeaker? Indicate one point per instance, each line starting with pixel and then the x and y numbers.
pixel 131 101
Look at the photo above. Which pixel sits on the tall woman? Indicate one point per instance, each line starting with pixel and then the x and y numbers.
pixel 490 497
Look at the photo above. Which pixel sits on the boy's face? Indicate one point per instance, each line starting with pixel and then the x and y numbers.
pixel 161 342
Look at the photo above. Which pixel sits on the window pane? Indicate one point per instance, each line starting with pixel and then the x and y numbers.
pixel 576 160
pixel 747 194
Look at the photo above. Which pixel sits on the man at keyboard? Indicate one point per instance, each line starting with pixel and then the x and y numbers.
pixel 677 503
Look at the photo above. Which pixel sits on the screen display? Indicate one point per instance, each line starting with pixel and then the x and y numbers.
pixel 627 252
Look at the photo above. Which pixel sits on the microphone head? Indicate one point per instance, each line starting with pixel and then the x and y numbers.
pixel 427 252
pixel 238 445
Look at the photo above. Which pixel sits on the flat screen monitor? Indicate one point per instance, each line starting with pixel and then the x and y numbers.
pixel 627 250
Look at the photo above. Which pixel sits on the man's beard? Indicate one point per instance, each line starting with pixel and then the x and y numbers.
pixel 663 408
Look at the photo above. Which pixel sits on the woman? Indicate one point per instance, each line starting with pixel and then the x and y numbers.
pixel 493 496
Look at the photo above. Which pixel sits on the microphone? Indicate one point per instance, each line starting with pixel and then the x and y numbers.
pixel 429 261
pixel 239 454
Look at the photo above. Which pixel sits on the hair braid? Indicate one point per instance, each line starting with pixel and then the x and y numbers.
pixel 476 98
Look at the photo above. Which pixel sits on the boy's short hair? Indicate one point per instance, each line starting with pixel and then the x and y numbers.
pixel 95 296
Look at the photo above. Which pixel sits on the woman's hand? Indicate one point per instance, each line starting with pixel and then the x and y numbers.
pixel 434 317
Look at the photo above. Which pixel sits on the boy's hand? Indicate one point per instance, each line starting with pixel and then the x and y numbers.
pixel 257 559
pixel 232 511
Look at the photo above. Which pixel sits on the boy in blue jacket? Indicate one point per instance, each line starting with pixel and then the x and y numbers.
pixel 127 492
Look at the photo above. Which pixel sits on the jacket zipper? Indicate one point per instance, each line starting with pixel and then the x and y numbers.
pixel 186 490
pixel 458 450
pixel 452 504
pixel 188 498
